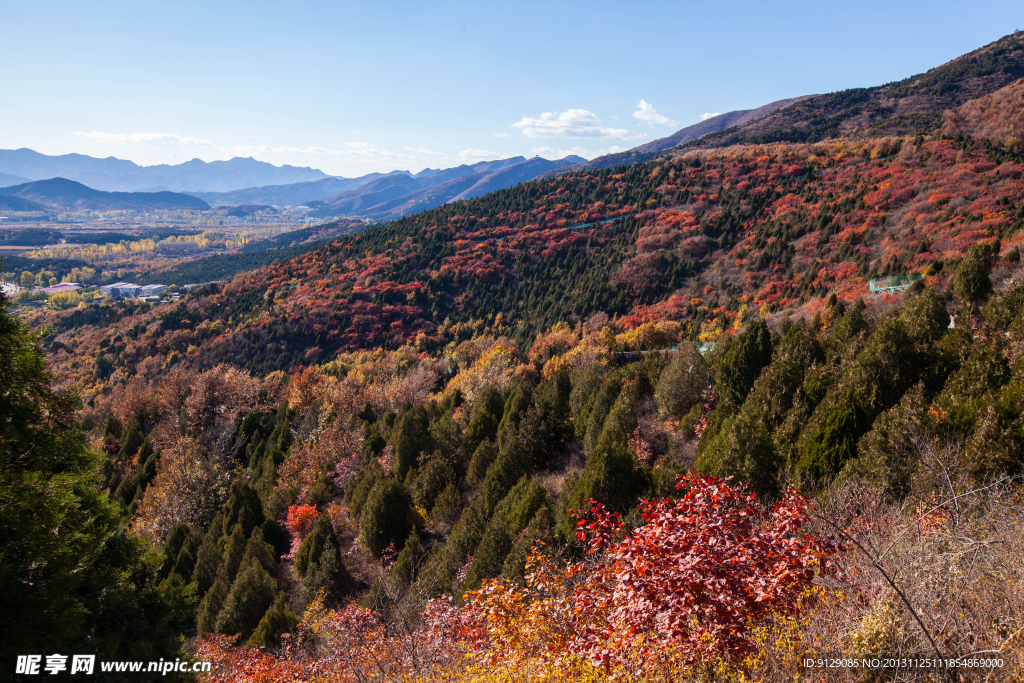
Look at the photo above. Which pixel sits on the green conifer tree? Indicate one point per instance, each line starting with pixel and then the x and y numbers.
pixel 277 620
pixel 248 600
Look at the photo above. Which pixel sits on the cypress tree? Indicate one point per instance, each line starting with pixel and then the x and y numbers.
pixel 249 599
pixel 321 493
pixel 213 602
pixel 175 541
pixel 511 516
pixel 132 441
pixel 243 507
pixel 538 531
pixel 743 362
pixel 971 281
pixel 72 580
pixel 410 438
pixel 275 536
pixel 208 562
pixel 484 420
pixel 277 620
pixel 483 456
pixel 234 552
pixel 433 478
pixel 258 552
pixel 410 559
pixel 326 572
pixel 385 517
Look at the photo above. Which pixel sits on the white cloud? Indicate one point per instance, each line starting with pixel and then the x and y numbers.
pixel 425 151
pixel 646 112
pixel 477 155
pixel 709 115
pixel 503 135
pixel 147 138
pixel 572 123
pixel 553 154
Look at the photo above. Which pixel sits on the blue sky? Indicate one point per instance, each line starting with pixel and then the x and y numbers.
pixel 358 87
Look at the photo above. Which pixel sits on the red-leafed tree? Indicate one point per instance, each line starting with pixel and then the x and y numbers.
pixel 687 585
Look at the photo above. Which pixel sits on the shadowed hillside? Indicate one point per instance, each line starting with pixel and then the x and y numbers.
pixel 68 194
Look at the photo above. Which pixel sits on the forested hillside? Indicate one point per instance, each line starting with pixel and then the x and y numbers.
pixel 701 418
pixel 384 480
pixel 710 241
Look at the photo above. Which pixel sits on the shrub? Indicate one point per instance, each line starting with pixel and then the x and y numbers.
pixel 682 383
pixel 971 281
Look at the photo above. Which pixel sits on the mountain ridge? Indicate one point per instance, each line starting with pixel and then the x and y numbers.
pixel 391 201
pixel 111 174
pixel 649 150
pixel 62 193
pixel 913 106
pixel 337 192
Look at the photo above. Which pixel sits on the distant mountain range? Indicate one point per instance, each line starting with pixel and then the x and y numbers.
pixel 375 196
pixel 396 195
pixel 301 193
pixel 120 175
pixel 380 196
pixel 8 179
pixel 250 182
pixel 291 194
pixel 64 194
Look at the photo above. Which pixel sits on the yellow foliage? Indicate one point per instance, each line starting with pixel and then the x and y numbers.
pixel 576 357
pixel 496 367
pixel 710 330
pixel 64 300
pixel 316 615
pixel 557 341
pixel 740 315
pixel 874 635
pixel 657 335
